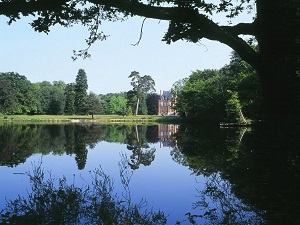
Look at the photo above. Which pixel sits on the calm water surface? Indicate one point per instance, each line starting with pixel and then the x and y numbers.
pixel 167 174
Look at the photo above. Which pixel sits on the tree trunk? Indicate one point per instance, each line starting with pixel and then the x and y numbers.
pixel 137 134
pixel 137 106
pixel 242 118
pixel 278 33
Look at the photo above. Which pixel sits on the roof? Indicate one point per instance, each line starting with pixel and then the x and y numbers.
pixel 166 95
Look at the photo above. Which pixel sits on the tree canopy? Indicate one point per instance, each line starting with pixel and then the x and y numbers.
pixel 17 94
pixel 220 95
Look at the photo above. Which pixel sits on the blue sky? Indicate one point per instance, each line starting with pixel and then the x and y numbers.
pixel 41 57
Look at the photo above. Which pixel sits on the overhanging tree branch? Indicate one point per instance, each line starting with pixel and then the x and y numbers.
pixel 200 26
pixel 185 23
pixel 241 29
pixel 9 8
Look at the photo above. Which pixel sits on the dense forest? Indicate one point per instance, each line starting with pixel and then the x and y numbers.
pixel 232 93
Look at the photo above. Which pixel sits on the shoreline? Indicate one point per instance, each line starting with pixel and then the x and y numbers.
pixel 98 119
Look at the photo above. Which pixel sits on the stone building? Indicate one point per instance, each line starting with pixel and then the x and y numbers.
pixel 165 104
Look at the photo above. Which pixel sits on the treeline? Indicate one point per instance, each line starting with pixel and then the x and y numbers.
pixel 19 96
pixel 230 94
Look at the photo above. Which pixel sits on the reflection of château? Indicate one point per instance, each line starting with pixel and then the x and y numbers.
pixel 165 134
pixel 165 104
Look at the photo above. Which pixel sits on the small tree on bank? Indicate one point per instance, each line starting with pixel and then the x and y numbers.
pixel 93 105
pixel 234 108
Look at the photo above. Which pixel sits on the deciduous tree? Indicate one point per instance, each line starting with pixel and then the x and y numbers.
pixel 152 103
pixel 141 85
pixel 8 100
pixel 27 101
pixel 220 95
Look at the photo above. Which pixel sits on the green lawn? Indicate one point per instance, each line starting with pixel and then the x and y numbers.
pixel 87 119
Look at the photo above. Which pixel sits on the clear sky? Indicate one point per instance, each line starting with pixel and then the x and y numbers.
pixel 42 57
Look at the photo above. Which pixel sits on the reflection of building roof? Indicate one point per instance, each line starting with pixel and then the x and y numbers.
pixel 166 142
pixel 166 95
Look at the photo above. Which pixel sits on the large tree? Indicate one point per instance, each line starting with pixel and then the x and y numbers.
pixel 141 85
pixel 152 103
pixel 276 27
pixel 44 96
pixel 23 92
pixel 8 100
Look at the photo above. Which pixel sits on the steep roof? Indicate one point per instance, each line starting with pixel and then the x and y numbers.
pixel 166 95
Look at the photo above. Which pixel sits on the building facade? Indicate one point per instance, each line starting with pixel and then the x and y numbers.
pixel 165 104
pixel 166 134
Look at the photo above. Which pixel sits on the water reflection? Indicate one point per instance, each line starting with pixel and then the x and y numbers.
pixel 260 167
pixel 18 142
pixel 242 176
pixel 141 151
pixel 52 201
pixel 166 134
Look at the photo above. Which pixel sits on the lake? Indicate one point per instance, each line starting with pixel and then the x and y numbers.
pixel 139 174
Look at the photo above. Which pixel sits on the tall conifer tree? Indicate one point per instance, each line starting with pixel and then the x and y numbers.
pixel 81 87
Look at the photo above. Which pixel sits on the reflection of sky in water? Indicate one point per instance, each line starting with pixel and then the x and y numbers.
pixel 165 184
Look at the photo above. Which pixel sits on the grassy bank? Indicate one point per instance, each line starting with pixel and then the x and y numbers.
pixel 144 119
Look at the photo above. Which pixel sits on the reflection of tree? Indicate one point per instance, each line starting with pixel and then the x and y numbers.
pixel 152 134
pixel 115 133
pixel 12 148
pixel 80 147
pixel 204 148
pixel 221 206
pixel 84 136
pixel 178 156
pixel 57 202
pixel 70 139
pixel 260 167
pixel 269 172
pixel 141 154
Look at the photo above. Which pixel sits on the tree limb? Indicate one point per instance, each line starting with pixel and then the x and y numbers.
pixel 202 26
pixel 241 29
pixel 195 24
pixel 9 8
